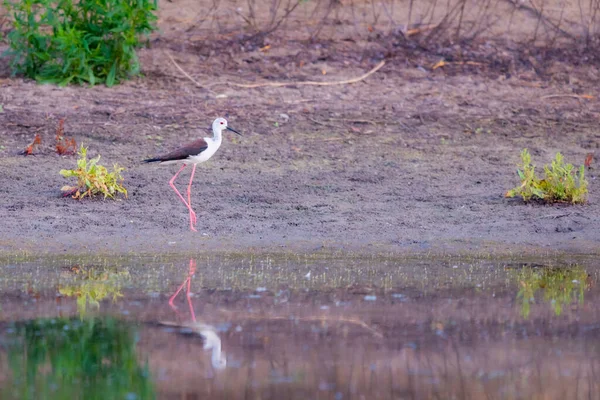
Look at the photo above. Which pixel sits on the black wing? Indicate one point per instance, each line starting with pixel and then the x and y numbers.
pixel 191 149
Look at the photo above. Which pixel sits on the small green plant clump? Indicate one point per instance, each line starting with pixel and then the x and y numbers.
pixel 78 41
pixel 562 184
pixel 93 179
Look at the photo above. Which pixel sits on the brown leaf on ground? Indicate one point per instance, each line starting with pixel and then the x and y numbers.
pixel 438 64
pixel 64 145
pixel 37 140
pixel 589 158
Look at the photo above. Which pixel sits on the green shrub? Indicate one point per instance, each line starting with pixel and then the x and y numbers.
pixel 78 41
pixel 93 179
pixel 560 185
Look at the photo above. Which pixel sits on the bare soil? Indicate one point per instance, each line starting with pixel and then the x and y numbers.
pixel 411 159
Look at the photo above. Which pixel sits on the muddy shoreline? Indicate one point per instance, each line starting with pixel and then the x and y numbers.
pixel 411 160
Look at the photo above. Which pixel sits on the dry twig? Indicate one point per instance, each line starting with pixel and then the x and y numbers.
pixel 575 96
pixel 325 124
pixel 305 83
pixel 420 29
pixel 279 84
pixel 183 72
pixel 354 121
pixel 443 63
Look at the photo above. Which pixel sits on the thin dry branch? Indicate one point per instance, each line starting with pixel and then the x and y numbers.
pixel 420 29
pixel 574 96
pixel 183 72
pixel 305 83
pixel 540 15
pixel 443 63
pixel 325 124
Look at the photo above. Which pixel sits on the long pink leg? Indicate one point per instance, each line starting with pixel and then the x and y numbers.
pixel 172 184
pixel 189 193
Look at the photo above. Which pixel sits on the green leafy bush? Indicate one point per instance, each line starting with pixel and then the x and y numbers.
pixel 93 179
pixel 78 41
pixel 562 184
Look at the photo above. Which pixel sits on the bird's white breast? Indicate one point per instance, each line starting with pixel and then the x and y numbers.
pixel 212 148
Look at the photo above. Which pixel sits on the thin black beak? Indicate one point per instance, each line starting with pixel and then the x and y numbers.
pixel 233 130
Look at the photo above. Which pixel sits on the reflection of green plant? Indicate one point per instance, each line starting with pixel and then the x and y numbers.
pixel 561 287
pixel 92 286
pixel 93 179
pixel 561 183
pixel 74 359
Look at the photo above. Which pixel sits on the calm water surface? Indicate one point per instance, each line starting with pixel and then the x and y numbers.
pixel 299 327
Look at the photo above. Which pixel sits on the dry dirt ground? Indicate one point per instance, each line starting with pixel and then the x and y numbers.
pixel 410 159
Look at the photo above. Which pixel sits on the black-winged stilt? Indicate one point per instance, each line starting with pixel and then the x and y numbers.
pixel 194 153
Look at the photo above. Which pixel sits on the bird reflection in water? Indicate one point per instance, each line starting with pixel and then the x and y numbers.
pixel 212 341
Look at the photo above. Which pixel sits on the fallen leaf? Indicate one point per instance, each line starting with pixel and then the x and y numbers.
pixel 29 149
pixel 415 31
pixel 439 64
pixel 589 158
pixel 64 145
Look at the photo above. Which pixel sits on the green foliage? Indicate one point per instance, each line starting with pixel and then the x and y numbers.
pixel 561 287
pixel 79 41
pixel 560 185
pixel 64 358
pixel 93 179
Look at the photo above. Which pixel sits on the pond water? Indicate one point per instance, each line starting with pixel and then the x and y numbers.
pixel 277 326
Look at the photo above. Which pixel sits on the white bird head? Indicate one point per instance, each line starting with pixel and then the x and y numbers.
pixel 220 124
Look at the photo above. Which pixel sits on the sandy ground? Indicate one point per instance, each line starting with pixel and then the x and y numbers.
pixel 412 159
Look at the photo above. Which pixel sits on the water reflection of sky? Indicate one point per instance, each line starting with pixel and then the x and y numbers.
pixel 299 327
